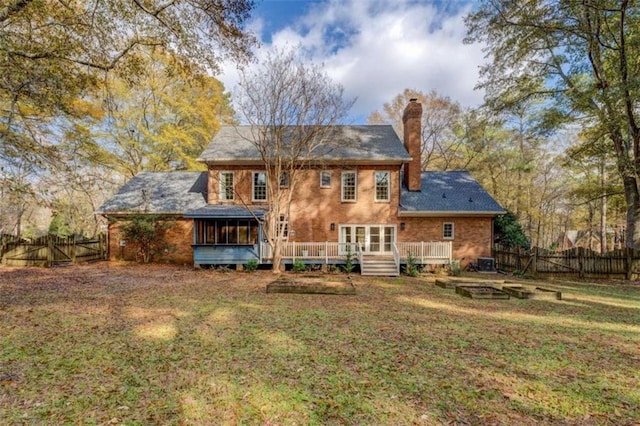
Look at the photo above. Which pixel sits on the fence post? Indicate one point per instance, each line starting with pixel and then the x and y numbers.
pixel 101 246
pixel 73 250
pixel 581 262
pixel 534 262
pixel 49 251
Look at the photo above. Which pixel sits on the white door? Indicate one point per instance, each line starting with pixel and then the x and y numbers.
pixel 372 239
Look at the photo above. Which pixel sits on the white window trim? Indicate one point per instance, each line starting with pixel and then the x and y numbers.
pixel 375 189
pixel 253 186
pixel 282 173
pixel 355 186
pixel 221 193
pixel 283 222
pixel 322 172
pixel 453 231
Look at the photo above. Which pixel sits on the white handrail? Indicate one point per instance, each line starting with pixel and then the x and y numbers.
pixel 396 257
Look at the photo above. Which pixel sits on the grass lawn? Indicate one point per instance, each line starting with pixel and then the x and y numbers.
pixel 114 344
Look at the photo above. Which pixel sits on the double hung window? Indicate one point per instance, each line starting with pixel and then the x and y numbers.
pixel 283 227
pixel 226 186
pixel 382 186
pixel 259 186
pixel 447 231
pixel 349 186
pixel 284 179
pixel 325 179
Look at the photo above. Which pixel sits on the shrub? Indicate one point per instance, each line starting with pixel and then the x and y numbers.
pixel 299 266
pixel 349 265
pixel 411 268
pixel 456 270
pixel 148 231
pixel 251 266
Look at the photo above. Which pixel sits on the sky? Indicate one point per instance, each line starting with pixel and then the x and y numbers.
pixel 374 48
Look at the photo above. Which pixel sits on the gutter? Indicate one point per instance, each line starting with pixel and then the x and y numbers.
pixel 448 213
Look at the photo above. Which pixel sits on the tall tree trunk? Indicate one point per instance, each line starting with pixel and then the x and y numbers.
pixel 603 209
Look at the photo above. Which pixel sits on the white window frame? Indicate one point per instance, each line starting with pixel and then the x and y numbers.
pixel 355 186
pixel 445 232
pixel 253 185
pixel 222 189
pixel 375 179
pixel 287 177
pixel 325 173
pixel 283 222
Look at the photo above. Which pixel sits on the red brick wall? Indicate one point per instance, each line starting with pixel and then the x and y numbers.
pixel 314 209
pixel 472 235
pixel 412 129
pixel 179 237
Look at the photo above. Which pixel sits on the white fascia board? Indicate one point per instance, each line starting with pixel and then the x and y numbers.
pixel 448 213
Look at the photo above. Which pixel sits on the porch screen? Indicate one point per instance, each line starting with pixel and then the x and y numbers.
pixel 226 232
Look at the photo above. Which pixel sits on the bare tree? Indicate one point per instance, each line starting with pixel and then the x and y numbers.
pixel 441 146
pixel 292 109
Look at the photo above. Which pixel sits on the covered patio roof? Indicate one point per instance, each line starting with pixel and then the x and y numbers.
pixel 216 211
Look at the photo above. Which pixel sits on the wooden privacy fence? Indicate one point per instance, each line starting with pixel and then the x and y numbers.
pixel 50 250
pixel 576 261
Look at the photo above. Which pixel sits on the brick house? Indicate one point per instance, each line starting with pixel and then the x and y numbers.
pixel 368 196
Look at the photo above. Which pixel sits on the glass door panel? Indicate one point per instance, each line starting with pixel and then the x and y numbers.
pixel 389 237
pixel 361 237
pixel 374 239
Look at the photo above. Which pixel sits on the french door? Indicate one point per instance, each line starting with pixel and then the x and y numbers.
pixel 373 239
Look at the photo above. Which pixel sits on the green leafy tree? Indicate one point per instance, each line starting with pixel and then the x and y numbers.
pixel 148 233
pixel 160 119
pixel 580 59
pixel 56 55
pixel 54 52
pixel 509 232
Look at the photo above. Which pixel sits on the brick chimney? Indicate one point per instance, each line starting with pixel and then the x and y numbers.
pixel 412 124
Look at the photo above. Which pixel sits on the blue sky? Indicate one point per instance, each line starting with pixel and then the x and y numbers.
pixel 374 48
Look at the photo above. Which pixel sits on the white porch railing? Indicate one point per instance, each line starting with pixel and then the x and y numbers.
pixel 396 257
pixel 311 251
pixel 432 252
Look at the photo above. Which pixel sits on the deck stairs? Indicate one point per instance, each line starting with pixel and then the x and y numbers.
pixel 383 266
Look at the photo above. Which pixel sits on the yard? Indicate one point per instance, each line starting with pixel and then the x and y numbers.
pixel 118 344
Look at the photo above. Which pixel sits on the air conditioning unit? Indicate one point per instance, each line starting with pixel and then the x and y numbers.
pixel 486 264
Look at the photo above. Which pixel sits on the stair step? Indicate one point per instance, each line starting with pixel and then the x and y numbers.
pixel 379 266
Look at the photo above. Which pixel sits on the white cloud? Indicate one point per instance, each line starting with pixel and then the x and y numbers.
pixel 377 49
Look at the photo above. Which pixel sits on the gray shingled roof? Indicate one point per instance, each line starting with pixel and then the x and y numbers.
pixel 159 192
pixel 355 143
pixel 226 211
pixel 454 192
